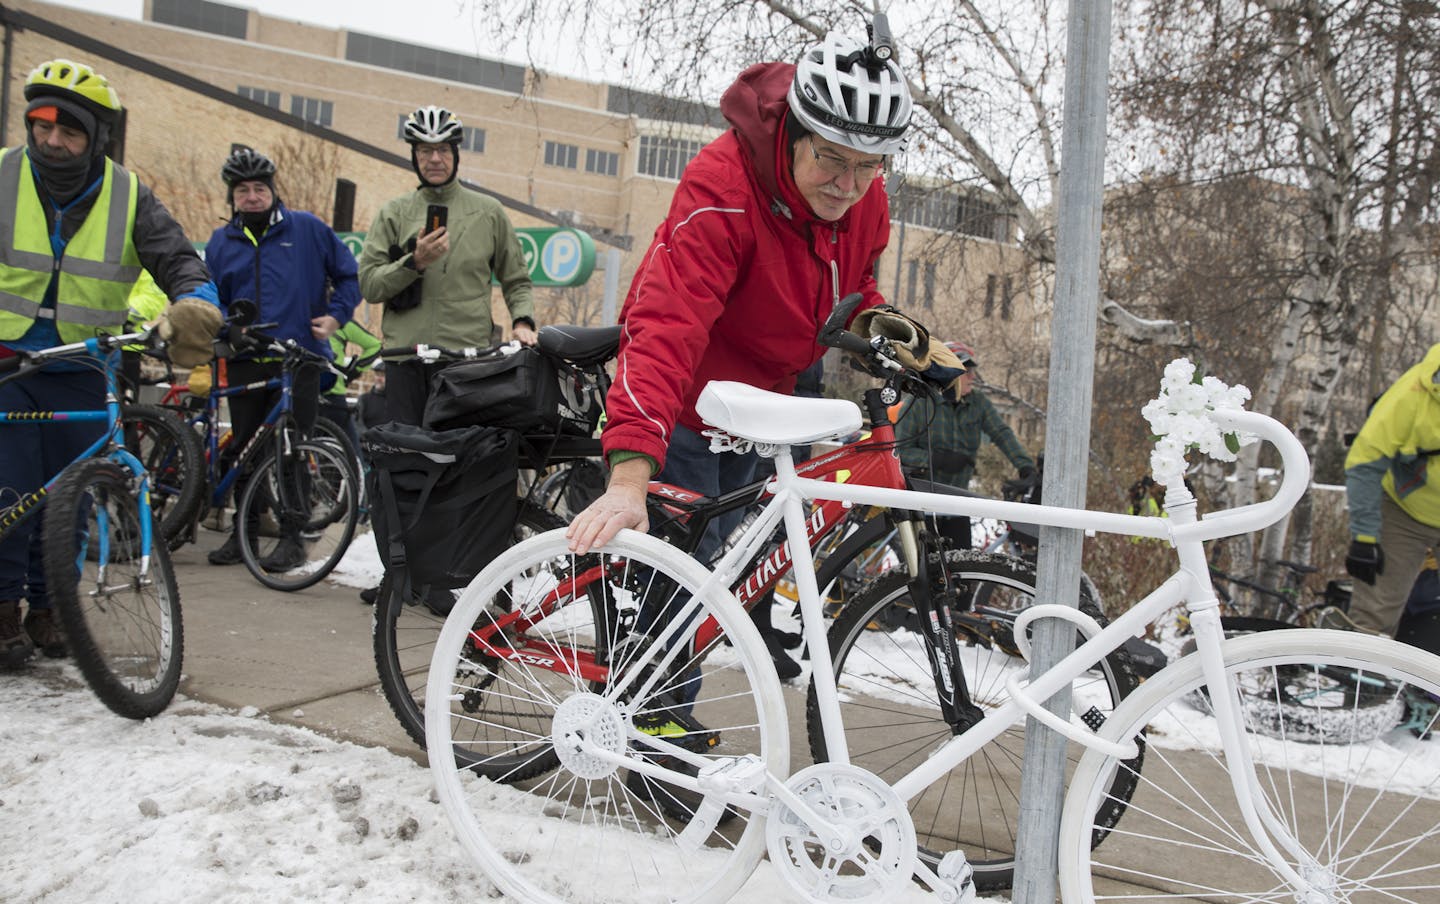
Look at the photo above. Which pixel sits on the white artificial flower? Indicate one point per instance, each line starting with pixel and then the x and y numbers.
pixel 1181 418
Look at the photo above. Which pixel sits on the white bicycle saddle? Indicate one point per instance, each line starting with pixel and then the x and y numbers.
pixel 769 417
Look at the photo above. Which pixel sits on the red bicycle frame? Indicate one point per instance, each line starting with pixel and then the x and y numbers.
pixel 869 462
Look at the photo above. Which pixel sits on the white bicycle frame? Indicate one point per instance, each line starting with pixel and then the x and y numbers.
pixel 1190 584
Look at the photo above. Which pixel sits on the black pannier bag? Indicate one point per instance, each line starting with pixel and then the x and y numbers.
pixel 526 391
pixel 443 502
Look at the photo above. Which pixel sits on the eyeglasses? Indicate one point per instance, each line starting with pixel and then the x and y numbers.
pixel 432 150
pixel 835 165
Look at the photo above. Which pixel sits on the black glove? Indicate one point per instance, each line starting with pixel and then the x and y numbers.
pixel 1020 487
pixel 409 296
pixel 950 460
pixel 1365 561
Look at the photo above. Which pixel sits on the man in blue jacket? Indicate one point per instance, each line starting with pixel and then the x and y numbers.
pixel 300 276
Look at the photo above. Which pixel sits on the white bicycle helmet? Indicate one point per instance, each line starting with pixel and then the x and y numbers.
pixel 433 125
pixel 844 93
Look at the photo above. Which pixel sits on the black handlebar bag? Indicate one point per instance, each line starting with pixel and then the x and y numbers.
pixel 443 502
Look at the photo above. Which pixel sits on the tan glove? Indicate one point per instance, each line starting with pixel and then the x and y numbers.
pixel 188 326
pixel 909 338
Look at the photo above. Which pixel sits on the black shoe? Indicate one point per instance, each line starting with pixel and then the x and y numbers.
pixel 370 595
pixel 228 554
pixel 287 554
pixel 785 667
pixel 45 633
pixel 15 647
pixel 440 600
pixel 790 640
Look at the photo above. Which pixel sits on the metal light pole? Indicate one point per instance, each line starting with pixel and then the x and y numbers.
pixel 1072 366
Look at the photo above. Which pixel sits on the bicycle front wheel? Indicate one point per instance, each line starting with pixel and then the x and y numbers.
pixel 175 460
pixel 120 609
pixel 893 719
pixel 559 682
pixel 405 633
pixel 1358 819
pixel 297 515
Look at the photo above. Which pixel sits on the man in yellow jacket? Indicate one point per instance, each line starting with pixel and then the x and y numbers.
pixel 1394 507
pixel 76 232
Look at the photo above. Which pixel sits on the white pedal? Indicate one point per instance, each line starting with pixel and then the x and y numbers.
pixel 959 878
pixel 718 779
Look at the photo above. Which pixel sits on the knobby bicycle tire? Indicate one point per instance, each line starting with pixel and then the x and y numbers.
pixel 175 459
pixel 540 841
pixel 1363 814
pixel 892 715
pixel 124 628
pixel 311 493
pixel 405 634
pixel 1305 702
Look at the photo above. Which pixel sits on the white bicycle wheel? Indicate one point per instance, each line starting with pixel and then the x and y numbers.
pixel 1364 814
pixel 528 661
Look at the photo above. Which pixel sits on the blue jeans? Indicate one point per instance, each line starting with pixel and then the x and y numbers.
pixel 689 463
pixel 31 454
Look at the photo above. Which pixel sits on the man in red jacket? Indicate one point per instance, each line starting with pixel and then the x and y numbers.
pixel 771 224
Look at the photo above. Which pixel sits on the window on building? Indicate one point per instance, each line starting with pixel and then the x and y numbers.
pixel 201 15
pixel 605 163
pixel 948 210
pixel 912 279
pixel 1005 299
pixel 665 158
pixel 929 286
pixel 260 95
pixel 989 310
pixel 566 156
pixel 454 67
pixel 312 110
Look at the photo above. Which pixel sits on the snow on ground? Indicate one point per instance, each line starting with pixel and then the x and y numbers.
pixel 205 804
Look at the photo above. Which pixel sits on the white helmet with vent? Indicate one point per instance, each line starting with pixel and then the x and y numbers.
pixel 847 93
pixel 433 125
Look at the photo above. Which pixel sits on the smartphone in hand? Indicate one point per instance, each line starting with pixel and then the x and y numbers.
pixel 435 218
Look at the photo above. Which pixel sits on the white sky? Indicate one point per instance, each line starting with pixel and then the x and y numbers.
pixel 458 25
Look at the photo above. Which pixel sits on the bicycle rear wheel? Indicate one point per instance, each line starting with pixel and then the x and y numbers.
pixel 406 630
pixel 175 460
pixel 892 714
pixel 559 679
pixel 1364 814
pixel 312 494
pixel 120 610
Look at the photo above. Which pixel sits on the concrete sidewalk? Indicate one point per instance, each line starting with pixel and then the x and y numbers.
pixel 302 658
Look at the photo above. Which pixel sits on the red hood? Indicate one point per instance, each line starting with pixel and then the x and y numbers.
pixel 755 105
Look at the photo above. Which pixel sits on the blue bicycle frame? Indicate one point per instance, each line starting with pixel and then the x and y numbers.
pixel 111 443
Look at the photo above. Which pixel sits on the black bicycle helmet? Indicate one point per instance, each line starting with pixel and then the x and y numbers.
pixel 246 165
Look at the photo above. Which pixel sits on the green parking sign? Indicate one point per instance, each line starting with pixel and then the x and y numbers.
pixel 556 256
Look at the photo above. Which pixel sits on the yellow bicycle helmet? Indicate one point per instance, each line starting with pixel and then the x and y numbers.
pixel 75 81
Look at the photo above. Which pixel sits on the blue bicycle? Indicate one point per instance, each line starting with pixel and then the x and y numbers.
pixel 109 578
pixel 297 510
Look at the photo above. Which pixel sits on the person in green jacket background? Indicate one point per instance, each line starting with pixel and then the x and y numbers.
pixel 1394 508
pixel 334 406
pixel 435 284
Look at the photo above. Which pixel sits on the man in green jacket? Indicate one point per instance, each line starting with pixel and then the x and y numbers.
pixel 942 441
pixel 1394 508
pixel 436 283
